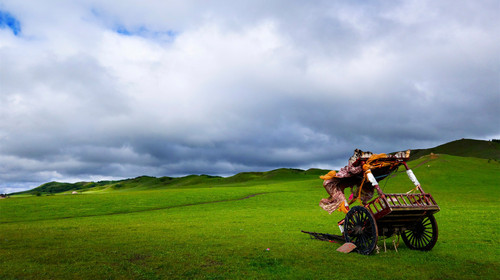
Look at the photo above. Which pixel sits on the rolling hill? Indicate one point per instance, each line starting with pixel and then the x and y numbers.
pixel 190 181
pixel 464 148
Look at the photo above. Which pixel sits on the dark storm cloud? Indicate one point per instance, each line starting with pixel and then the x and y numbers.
pixel 96 90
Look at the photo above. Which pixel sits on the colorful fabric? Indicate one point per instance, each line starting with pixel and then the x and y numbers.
pixel 352 176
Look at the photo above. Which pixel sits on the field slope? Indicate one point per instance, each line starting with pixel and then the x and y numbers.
pixel 191 181
pixel 218 229
pixel 464 148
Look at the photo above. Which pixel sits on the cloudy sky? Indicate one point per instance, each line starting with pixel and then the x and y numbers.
pixel 93 90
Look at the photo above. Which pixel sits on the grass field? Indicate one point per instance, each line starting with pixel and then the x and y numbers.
pixel 217 230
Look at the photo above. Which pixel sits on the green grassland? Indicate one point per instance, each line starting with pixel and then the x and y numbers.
pixel 203 227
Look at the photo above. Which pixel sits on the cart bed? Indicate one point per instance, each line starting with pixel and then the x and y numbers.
pixel 399 210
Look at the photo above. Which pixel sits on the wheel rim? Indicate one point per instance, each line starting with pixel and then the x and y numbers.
pixel 423 235
pixel 360 228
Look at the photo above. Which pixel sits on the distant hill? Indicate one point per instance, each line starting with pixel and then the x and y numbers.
pixel 464 148
pixel 191 181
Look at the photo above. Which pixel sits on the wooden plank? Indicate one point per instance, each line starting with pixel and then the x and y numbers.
pixel 347 247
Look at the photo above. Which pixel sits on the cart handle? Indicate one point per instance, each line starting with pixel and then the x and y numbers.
pixel 373 181
pixel 412 177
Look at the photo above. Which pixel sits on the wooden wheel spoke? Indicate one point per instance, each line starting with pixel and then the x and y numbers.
pixel 425 240
pixel 365 243
pixel 422 244
pixel 410 235
pixel 427 234
pixel 428 238
pixel 361 242
pixel 357 218
pixel 412 239
pixel 416 243
pixel 415 240
pixel 363 217
pixel 368 239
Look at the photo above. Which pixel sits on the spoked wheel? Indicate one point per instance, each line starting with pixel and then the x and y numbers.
pixel 360 228
pixel 423 235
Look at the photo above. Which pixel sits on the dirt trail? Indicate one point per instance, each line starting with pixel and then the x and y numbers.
pixel 431 157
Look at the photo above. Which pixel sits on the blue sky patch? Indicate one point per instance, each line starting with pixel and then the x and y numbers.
pixel 143 31
pixel 9 21
pixel 123 31
pixel 167 36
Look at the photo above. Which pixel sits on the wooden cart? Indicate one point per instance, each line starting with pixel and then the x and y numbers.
pixel 409 214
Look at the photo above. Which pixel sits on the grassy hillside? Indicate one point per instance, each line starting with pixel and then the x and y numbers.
pixel 464 148
pixel 191 181
pixel 222 230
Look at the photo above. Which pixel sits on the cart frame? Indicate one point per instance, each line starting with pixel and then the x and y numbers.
pixel 410 215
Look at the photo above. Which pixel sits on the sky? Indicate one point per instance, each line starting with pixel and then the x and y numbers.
pixel 97 90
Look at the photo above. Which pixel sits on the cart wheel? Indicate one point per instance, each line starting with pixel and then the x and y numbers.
pixel 360 228
pixel 423 235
